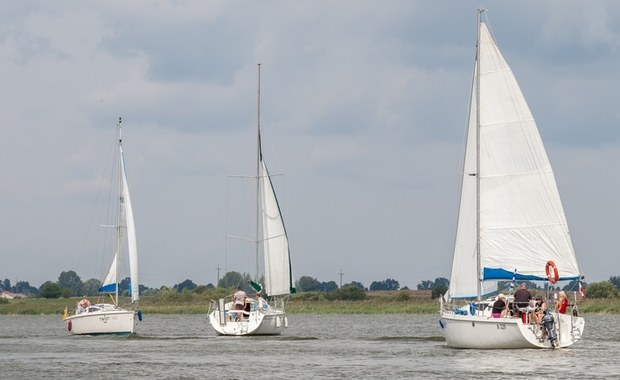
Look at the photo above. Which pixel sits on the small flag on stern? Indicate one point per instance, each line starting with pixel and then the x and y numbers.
pixel 582 293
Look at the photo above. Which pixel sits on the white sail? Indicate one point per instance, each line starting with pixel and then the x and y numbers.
pixel 521 219
pixel 111 280
pixel 278 276
pixel 464 279
pixel 132 247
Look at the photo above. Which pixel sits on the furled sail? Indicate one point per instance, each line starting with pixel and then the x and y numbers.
pixel 132 247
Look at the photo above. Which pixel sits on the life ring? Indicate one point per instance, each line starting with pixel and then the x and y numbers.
pixel 69 325
pixel 552 272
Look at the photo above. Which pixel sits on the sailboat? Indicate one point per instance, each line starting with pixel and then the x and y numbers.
pixel 262 317
pixel 511 225
pixel 111 318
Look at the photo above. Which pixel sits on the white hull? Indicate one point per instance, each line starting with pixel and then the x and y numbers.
pixel 483 332
pixel 257 322
pixel 107 320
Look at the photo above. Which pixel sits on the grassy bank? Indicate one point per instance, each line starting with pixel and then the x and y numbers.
pixel 190 303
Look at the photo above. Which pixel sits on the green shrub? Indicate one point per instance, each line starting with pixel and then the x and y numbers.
pixel 603 289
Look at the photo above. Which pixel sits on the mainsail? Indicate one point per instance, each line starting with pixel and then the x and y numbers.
pixel 510 212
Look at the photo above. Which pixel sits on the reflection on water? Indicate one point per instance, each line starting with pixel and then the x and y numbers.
pixel 314 346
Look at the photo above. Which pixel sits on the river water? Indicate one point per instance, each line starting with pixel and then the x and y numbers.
pixel 314 346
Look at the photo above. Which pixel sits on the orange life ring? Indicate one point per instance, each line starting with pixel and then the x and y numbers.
pixel 554 276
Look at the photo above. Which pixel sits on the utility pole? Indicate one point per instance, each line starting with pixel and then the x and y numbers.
pixel 218 275
pixel 341 274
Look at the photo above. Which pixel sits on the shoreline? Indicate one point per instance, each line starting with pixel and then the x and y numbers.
pixel 199 305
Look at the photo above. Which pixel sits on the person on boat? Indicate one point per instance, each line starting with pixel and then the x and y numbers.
pixel 239 302
pixel 522 299
pixel 83 305
pixel 499 307
pixel 540 306
pixel 562 303
pixel 261 304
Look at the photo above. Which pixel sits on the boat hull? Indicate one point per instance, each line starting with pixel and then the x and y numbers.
pixel 483 332
pixel 102 322
pixel 255 322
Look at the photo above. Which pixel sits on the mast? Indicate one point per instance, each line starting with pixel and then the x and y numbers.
pixel 259 157
pixel 477 79
pixel 119 239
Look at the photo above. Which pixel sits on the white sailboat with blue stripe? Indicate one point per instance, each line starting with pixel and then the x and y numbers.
pixel 112 318
pixel 511 222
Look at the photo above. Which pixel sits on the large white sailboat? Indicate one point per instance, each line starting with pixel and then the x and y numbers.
pixel 111 318
pixel 262 317
pixel 511 224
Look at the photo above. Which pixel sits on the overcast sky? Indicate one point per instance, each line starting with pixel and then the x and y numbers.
pixel 364 111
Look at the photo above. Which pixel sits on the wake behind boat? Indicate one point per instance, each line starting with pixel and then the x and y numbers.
pixel 511 224
pixel 255 315
pixel 111 318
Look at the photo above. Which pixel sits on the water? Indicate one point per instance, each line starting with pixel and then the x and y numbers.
pixel 314 346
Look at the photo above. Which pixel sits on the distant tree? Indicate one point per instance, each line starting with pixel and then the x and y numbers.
pixel 24 287
pixel 203 288
pixel 377 285
pixel 438 291
pixel 70 280
pixel 124 286
pixel 230 280
pixel 616 281
pixel 425 285
pixel 403 295
pixel 91 287
pixel 348 293
pixel 187 284
pixel 441 281
pixel 573 286
pixel 6 285
pixel 329 286
pixel 388 284
pixel 603 289
pixel 355 283
pixel 308 284
pixel 50 290
pixel 144 289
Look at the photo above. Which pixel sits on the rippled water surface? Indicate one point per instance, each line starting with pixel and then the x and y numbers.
pixel 314 346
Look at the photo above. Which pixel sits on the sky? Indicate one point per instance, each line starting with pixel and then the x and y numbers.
pixel 364 113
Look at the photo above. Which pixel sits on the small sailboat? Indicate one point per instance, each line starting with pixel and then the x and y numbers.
pixel 511 225
pixel 259 316
pixel 111 318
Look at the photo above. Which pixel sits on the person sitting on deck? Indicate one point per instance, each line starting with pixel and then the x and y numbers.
pixel 522 300
pixel 83 305
pixel 239 303
pixel 562 303
pixel 539 309
pixel 261 304
pixel 499 307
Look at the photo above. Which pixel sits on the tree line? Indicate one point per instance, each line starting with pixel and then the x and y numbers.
pixel 70 284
